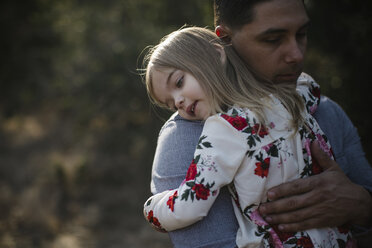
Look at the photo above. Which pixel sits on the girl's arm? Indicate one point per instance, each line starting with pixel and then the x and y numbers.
pixel 170 165
pixel 219 153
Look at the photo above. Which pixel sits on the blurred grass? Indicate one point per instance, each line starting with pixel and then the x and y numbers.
pixel 77 133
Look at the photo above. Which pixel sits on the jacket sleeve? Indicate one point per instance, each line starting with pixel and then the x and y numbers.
pixel 170 165
pixel 218 155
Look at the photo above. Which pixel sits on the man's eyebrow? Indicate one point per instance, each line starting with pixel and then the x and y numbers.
pixel 306 25
pixel 281 30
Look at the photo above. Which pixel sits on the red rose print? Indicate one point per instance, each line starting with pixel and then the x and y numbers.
pixel 316 92
pixel 343 229
pixel 262 168
pixel 150 216
pixel 191 172
pixel 171 201
pixel 304 242
pixel 238 122
pixel 283 236
pixel 201 191
pixel 262 131
pixel 153 220
pixel 156 222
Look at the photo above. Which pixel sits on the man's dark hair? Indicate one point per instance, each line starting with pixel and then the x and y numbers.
pixel 234 13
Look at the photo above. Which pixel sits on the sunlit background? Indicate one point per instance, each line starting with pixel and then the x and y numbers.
pixel 77 133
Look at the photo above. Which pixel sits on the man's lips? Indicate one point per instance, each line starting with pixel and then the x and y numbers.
pixel 190 110
pixel 288 77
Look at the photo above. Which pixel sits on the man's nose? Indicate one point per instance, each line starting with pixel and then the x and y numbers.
pixel 294 53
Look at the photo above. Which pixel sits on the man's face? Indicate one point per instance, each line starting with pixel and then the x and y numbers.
pixel 274 43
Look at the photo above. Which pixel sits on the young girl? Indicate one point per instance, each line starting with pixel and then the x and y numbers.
pixel 256 135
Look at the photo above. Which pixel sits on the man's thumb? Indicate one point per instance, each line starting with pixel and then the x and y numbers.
pixel 322 157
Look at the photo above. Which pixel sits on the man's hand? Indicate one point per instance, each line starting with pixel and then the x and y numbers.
pixel 327 199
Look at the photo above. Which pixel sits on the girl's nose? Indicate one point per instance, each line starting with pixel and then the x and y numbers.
pixel 179 101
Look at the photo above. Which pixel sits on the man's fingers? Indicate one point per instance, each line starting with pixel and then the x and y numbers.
pixel 302 225
pixel 322 158
pixel 295 187
pixel 290 203
pixel 295 216
pixel 316 216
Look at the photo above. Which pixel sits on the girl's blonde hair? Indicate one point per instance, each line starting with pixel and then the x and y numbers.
pixel 226 83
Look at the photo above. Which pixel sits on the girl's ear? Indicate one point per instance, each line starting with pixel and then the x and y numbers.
pixel 221 50
pixel 223 33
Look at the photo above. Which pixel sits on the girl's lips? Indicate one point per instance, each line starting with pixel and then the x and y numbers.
pixel 190 110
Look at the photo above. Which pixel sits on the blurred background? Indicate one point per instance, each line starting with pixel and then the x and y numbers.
pixel 77 133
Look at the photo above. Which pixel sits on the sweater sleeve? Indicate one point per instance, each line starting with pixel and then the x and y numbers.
pixel 218 155
pixel 345 141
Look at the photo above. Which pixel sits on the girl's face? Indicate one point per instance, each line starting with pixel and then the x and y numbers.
pixel 180 91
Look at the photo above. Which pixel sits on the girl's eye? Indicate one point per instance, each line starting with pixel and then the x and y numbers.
pixel 179 82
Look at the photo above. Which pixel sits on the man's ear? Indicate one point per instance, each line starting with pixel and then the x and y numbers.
pixel 223 32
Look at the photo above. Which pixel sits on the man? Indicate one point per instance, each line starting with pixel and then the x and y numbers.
pixel 271 38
